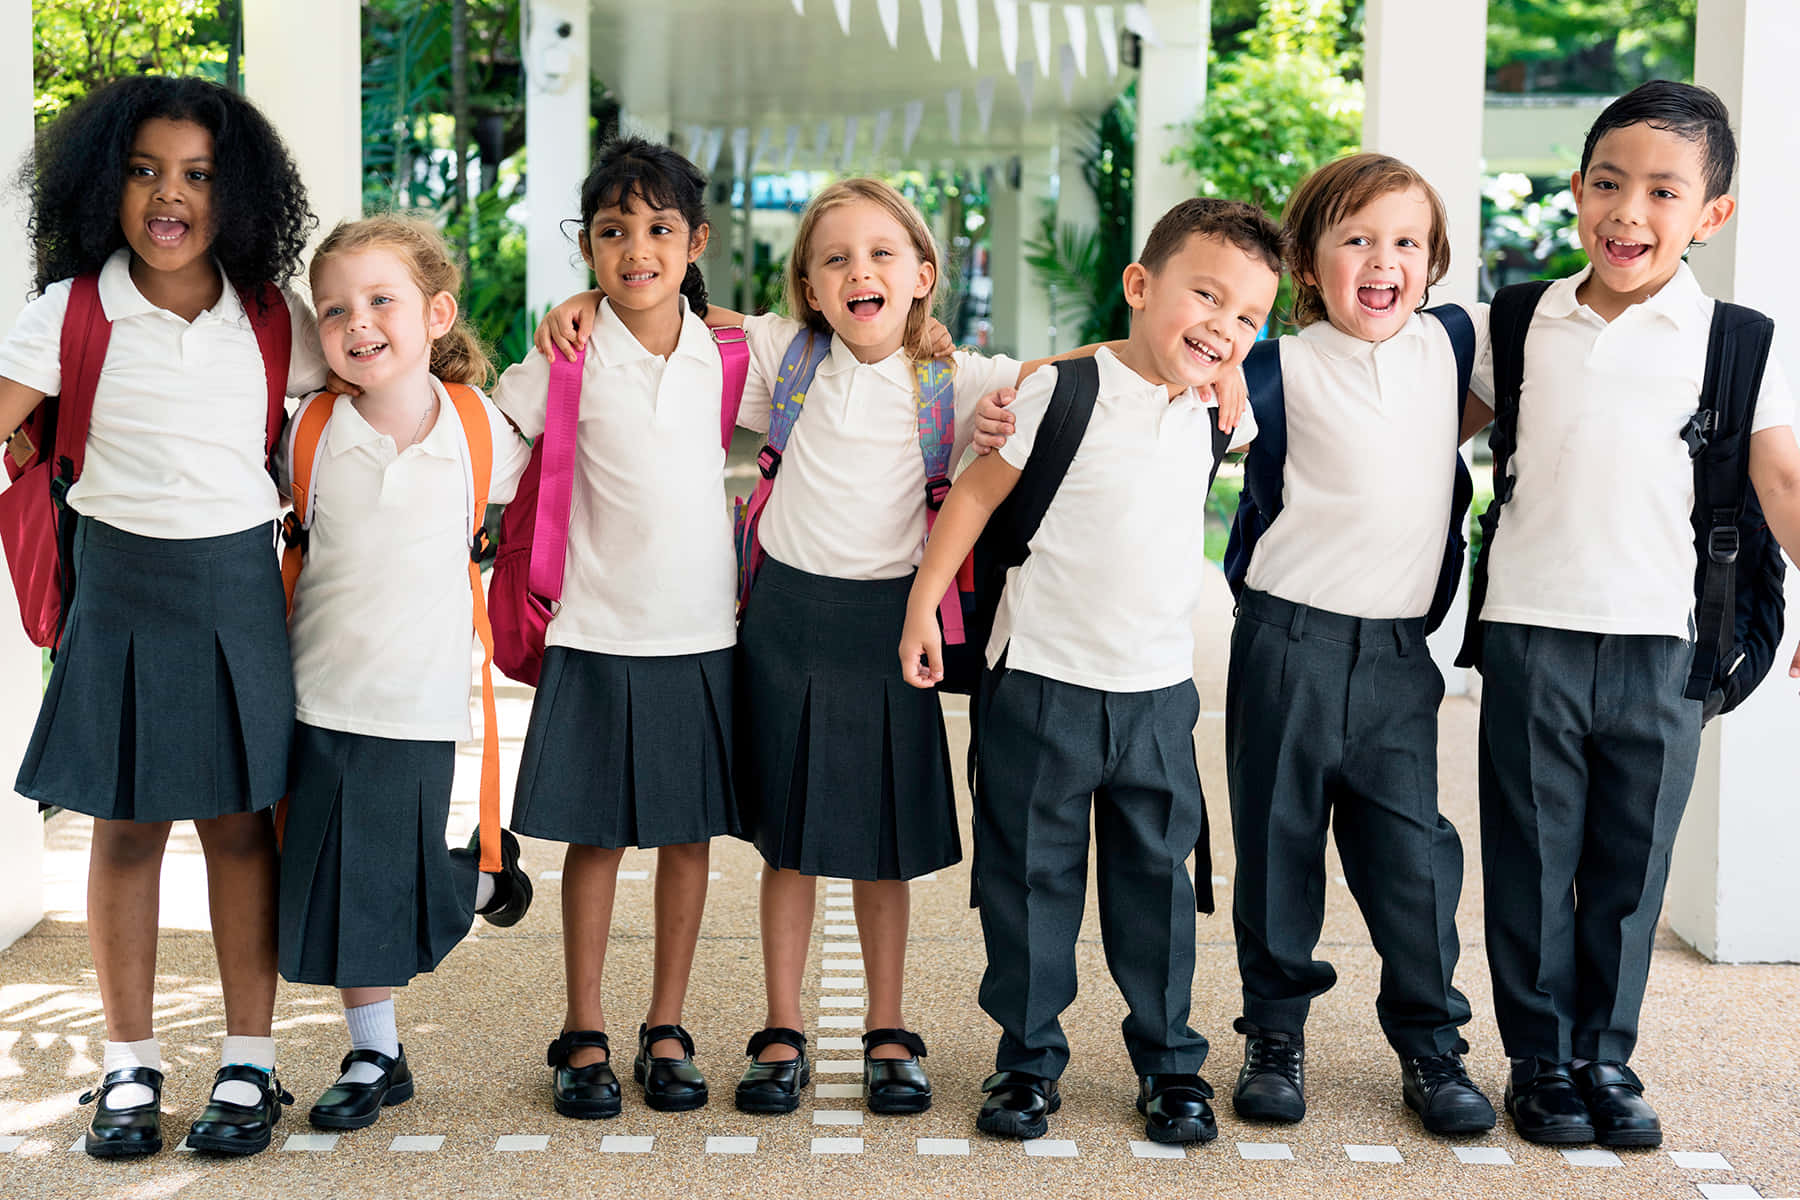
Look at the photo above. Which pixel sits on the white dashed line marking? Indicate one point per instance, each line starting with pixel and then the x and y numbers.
pixel 1728 1191
pixel 928 877
pixel 1264 1151
pixel 1220 881
pixel 837 889
pixel 943 1146
pixel 840 1043
pixel 1483 1156
pixel 842 983
pixel 616 1143
pixel 1592 1158
pixel 714 875
pixel 1373 1154
pixel 836 1022
pixel 839 902
pixel 838 1091
pixel 837 1145
pixel 842 1001
pixel 837 1116
pixel 9 1144
pixel 841 948
pixel 838 1066
pixel 519 1142
pixel 182 1147
pixel 1155 1150
pixel 425 1143
pixel 841 931
pixel 731 1145
pixel 1706 1160
pixel 316 1143
pixel 80 1145
pixel 634 874
pixel 1051 1148
pixel 549 876
pixel 841 964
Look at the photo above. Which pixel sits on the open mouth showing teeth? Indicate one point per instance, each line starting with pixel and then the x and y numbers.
pixel 1378 297
pixel 1200 350
pixel 368 351
pixel 639 276
pixel 166 229
pixel 865 304
pixel 1625 252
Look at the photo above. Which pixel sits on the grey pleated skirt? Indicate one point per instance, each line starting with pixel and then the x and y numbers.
pixel 371 894
pixel 172 697
pixel 843 768
pixel 625 750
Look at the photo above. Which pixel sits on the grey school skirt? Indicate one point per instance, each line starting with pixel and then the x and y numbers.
pixel 624 750
pixel 172 697
pixel 370 893
pixel 844 768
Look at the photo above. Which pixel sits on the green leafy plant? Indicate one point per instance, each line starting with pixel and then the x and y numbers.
pixel 1082 265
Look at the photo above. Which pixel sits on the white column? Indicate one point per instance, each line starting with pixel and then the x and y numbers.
pixel 1021 303
pixel 1424 73
pixel 21 672
pixel 1171 92
pixel 303 68
pixel 1733 891
pixel 556 135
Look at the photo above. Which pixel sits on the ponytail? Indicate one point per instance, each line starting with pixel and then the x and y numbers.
pixel 460 357
pixel 693 287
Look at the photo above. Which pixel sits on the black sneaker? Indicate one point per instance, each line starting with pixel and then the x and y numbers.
pixel 1438 1088
pixel 1272 1084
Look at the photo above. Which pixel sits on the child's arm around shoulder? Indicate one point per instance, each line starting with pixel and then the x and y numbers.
pixel 977 493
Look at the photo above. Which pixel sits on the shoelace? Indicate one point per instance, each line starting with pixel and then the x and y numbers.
pixel 1438 1069
pixel 1274 1052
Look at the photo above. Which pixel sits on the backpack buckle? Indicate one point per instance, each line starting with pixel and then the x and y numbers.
pixel 1722 544
pixel 481 545
pixel 935 492
pixel 293 533
pixel 1697 433
pixel 768 461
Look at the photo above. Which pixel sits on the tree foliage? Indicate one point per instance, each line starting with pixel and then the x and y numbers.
pixel 1082 265
pixel 78 45
pixel 1591 46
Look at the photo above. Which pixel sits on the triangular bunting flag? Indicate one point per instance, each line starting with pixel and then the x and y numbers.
pixel 911 117
pixel 1109 38
pixel 1075 21
pixel 1027 84
pixel 968 19
pixel 984 102
pixel 889 12
pixel 931 12
pixel 1040 33
pixel 953 113
pixel 843 14
pixel 1007 13
pixel 1067 73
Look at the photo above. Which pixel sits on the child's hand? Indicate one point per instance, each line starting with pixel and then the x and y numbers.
pixel 1794 667
pixel 939 339
pixel 1233 396
pixel 921 648
pixel 566 326
pixel 993 420
pixel 339 386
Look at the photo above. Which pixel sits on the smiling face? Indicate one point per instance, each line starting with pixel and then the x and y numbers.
pixel 1641 202
pixel 1372 267
pixel 1198 313
pixel 376 325
pixel 864 273
pixel 639 254
pixel 165 207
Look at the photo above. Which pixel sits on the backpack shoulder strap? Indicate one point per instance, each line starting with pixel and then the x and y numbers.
pixel 934 387
pixel 86 333
pixel 734 357
pixel 799 363
pixel 1461 330
pixel 1059 435
pixel 1266 459
pixel 556 476
pixel 1221 445
pixel 269 320
pixel 478 437
pixel 305 447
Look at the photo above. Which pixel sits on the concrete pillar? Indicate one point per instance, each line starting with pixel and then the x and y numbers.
pixel 303 68
pixel 1021 303
pixel 1171 93
pixel 1732 890
pixel 1424 73
pixel 556 130
pixel 21 670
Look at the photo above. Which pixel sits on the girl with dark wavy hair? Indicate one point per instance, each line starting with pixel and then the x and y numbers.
pixel 166 215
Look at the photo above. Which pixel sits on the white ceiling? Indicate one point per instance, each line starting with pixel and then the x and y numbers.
pixel 728 64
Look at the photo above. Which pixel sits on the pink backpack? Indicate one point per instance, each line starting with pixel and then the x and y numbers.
pixel 527 579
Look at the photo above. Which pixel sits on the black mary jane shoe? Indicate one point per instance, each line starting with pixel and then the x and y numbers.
pixel 358 1105
pixel 126 1132
pixel 1018 1105
pixel 226 1127
pixel 512 884
pixel 585 1093
pixel 670 1084
pixel 1177 1109
pixel 774 1087
pixel 895 1085
pixel 1615 1099
pixel 1545 1105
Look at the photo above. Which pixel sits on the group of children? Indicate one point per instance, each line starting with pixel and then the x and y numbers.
pixel 181 689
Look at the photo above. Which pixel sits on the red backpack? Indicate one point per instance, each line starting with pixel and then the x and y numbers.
pixel 527 579
pixel 45 454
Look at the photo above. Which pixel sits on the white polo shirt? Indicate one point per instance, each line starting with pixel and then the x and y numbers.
pixel 1597 536
pixel 849 501
pixel 651 569
pixel 181 409
pixel 1372 433
pixel 383 621
pixel 1106 598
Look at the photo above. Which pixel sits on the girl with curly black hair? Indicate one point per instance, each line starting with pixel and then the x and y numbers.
pixel 166 214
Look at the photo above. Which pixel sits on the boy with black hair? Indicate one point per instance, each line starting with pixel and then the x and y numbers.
pixel 1586 633
pixel 1088 703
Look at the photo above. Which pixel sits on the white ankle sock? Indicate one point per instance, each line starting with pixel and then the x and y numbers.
pixel 258 1052
pixel 120 1055
pixel 484 889
pixel 372 1027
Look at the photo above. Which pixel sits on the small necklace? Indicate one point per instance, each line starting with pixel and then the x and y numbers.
pixel 423 417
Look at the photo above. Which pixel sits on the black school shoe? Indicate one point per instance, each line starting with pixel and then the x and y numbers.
pixel 238 1129
pixel 895 1085
pixel 584 1093
pixel 670 1084
pixel 126 1132
pixel 512 885
pixel 1176 1109
pixel 1271 1085
pixel 358 1105
pixel 1018 1105
pixel 773 1087
pixel 1439 1089
pixel 1615 1099
pixel 1545 1105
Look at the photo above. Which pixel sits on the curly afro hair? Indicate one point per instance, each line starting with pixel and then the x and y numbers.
pixel 77 174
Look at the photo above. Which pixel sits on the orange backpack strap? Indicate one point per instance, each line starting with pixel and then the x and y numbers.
pixel 305 439
pixel 478 436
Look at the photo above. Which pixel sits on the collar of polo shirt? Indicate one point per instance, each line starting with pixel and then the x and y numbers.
pixel 1333 342
pixel 1117 379
pixel 615 346
pixel 120 298
pixel 1680 302
pixel 896 368
pixel 348 430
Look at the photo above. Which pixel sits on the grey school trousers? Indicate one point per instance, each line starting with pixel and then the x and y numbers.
pixel 1050 754
pixel 1331 721
pixel 1588 752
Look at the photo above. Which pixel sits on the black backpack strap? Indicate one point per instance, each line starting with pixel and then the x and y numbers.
pixel 1509 319
pixel 1266 460
pixel 1059 435
pixel 1718 437
pixel 1460 329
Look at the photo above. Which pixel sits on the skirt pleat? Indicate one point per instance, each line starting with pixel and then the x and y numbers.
pixel 624 750
pixel 172 697
pixel 844 768
pixel 371 894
